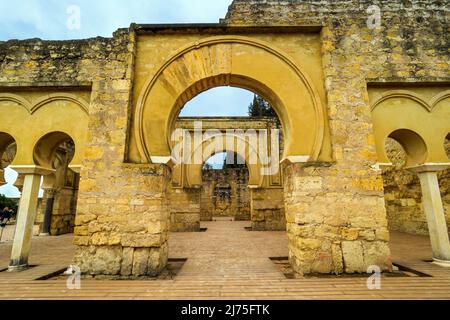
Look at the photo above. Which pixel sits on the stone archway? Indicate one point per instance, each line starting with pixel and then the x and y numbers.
pixel 395 114
pixel 230 61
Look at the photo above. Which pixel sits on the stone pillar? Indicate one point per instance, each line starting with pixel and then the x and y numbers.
pixel 25 223
pixel 124 231
pixel 30 179
pixel 434 211
pixel 267 210
pixel 48 212
pixel 336 220
pixel 185 209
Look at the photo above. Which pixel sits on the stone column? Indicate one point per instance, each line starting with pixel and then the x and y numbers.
pixel 49 193
pixel 26 215
pixel 434 211
pixel 48 212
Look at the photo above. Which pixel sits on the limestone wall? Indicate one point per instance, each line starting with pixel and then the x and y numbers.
pixel 267 210
pixel 122 212
pixel 184 209
pixel 403 195
pixel 225 193
pixel 336 212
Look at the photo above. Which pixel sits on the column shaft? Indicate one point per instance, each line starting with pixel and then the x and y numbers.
pixel 434 211
pixel 25 222
pixel 48 215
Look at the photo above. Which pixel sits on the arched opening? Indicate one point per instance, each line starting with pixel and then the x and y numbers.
pixel 239 62
pixel 203 65
pixel 402 188
pixel 9 194
pixel 56 212
pixel 46 149
pixel 226 186
pixel 413 145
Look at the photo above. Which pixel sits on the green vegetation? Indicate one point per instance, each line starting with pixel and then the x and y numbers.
pixel 260 108
pixel 7 202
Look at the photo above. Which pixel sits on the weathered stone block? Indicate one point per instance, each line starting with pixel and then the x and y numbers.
pixel 140 261
pixel 141 240
pixel 126 267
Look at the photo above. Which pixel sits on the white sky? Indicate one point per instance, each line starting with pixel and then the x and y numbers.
pixel 47 19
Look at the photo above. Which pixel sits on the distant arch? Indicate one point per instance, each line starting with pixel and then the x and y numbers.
pixel 194 171
pixel 215 62
pixel 45 149
pixel 6 140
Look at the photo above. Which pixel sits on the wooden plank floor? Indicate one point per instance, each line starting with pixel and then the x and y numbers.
pixel 226 262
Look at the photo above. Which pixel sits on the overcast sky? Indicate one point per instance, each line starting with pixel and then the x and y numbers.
pixel 57 20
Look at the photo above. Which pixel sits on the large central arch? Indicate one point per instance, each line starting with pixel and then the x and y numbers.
pixel 230 61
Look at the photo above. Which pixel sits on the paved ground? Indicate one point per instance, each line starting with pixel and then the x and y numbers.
pixel 226 262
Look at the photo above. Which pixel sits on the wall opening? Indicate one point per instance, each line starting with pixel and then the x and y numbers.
pixel 225 192
pixel 235 124
pixel 402 189
pixel 57 210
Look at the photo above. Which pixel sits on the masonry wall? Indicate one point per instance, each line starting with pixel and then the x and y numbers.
pixel 403 195
pixel 64 211
pixel 336 211
pixel 122 212
pixel 184 209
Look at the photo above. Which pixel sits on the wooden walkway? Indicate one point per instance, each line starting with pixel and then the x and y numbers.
pixel 225 262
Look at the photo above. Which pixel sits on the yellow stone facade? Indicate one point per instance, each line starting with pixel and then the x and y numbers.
pixel 339 88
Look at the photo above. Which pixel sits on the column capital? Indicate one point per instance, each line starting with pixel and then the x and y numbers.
pixel 383 165
pixel 32 169
pixel 168 161
pixel 429 167
pixel 51 192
